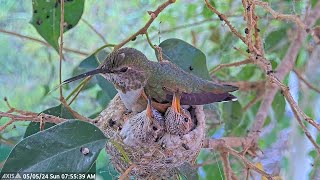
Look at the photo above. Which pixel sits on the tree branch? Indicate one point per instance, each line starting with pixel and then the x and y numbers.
pixel 277 15
pixel 305 81
pixel 143 30
pixel 283 69
pixel 223 17
pixel 235 64
pixel 223 145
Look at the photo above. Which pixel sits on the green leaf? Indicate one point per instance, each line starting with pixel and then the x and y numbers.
pixel 206 12
pixel 57 149
pixel 214 170
pixel 279 105
pixel 185 56
pixel 274 38
pixel 46 18
pixel 59 111
pixel 232 116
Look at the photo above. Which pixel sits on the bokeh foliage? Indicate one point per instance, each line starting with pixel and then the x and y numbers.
pixel 30 70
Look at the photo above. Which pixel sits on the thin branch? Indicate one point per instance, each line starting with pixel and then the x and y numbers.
pixel 149 41
pixel 143 30
pixel 277 15
pixel 257 98
pixel 283 69
pixel 235 64
pixel 61 47
pixel 226 165
pixel 305 81
pixel 306 132
pixel 95 31
pixel 126 173
pixel 29 116
pixel 42 42
pixel 223 145
pixel 223 17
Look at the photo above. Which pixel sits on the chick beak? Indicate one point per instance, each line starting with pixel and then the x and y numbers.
pixel 149 110
pixel 176 103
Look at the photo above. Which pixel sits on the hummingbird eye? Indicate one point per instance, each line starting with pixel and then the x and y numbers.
pixel 124 69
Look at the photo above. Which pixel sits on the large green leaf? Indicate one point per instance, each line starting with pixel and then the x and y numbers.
pixel 232 115
pixel 59 111
pixel 185 56
pixel 46 18
pixel 57 149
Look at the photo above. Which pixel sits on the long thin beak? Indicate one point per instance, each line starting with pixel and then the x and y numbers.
pixel 86 74
pixel 176 103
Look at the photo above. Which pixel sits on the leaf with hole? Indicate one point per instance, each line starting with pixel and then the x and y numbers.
pixel 46 18
pixel 58 149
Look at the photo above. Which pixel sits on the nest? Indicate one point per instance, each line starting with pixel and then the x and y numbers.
pixel 152 161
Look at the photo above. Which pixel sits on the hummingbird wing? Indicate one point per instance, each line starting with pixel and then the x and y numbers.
pixel 202 98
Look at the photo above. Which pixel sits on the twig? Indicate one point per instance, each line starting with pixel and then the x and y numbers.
pixel 149 41
pixel 226 165
pixel 236 64
pixel 294 106
pixel 305 81
pixel 223 17
pixel 143 30
pixel 30 116
pixel 126 173
pixel 73 112
pixel 277 15
pixel 223 145
pixel 42 42
pixel 61 47
pixel 285 66
pixel 257 98
pixel 95 30
pixel 306 132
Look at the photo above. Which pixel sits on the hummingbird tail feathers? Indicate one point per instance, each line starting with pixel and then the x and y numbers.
pixel 204 98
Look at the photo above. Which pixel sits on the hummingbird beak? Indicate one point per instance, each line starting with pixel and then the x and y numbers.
pixel 176 103
pixel 86 74
pixel 149 111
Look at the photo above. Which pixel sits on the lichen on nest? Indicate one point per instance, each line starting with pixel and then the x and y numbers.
pixel 159 159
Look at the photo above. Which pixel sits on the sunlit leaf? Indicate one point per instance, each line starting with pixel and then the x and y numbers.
pixel 46 18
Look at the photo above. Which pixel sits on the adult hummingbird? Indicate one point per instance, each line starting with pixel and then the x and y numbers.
pixel 132 73
pixel 143 128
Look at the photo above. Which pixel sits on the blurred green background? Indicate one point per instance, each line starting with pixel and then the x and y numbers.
pixel 29 70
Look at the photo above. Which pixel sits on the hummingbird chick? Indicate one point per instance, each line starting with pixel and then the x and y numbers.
pixel 143 128
pixel 178 120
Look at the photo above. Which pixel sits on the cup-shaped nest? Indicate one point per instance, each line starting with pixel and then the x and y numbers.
pixel 160 159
